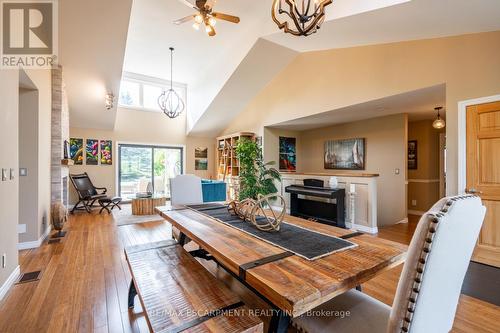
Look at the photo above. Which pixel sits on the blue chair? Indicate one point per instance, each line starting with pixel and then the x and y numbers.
pixel 213 190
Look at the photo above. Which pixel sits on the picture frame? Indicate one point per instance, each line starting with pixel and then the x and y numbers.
pixel 412 155
pixel 345 154
pixel 288 154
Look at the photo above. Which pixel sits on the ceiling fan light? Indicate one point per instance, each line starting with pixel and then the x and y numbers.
pixel 212 21
pixel 198 18
pixel 208 28
pixel 196 26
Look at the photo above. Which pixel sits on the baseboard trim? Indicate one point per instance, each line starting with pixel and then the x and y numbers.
pixel 416 212
pixel 34 244
pixel 363 228
pixel 10 282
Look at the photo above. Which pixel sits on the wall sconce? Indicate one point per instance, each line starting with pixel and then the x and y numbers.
pixel 109 101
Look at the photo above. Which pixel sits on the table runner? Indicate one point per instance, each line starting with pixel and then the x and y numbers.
pixel 305 243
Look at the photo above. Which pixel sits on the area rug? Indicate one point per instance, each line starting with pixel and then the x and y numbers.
pixel 125 217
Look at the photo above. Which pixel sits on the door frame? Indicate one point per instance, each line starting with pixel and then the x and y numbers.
pixel 148 145
pixel 462 137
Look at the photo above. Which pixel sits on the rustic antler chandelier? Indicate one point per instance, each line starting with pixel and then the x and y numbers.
pixel 299 17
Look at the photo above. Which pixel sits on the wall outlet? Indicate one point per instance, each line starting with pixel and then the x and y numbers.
pixel 414 202
pixel 397 171
pixel 4 260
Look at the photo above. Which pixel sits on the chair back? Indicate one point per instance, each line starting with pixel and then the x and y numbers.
pixel 83 185
pixel 438 257
pixel 186 190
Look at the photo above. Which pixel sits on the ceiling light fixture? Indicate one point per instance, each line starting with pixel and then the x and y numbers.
pixel 169 101
pixel 109 101
pixel 205 15
pixel 299 17
pixel 439 123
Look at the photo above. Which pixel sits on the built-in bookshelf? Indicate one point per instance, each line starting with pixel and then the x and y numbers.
pixel 228 165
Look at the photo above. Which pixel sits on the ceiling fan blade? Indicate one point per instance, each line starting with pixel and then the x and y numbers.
pixel 184 20
pixel 189 4
pixel 226 17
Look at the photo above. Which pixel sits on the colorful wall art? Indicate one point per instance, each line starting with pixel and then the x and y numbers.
pixel 288 154
pixel 106 152
pixel 345 154
pixel 76 150
pixel 201 159
pixel 92 150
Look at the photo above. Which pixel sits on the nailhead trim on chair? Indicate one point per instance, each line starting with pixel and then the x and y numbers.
pixel 420 270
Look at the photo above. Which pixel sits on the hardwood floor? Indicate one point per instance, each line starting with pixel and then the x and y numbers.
pixel 84 282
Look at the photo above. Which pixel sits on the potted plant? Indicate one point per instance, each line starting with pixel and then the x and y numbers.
pixel 256 177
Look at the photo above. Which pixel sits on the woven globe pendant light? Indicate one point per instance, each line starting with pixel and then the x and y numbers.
pixel 169 101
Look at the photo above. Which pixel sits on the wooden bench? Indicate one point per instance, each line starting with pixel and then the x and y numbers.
pixel 178 294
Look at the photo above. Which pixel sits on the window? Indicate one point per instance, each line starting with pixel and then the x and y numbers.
pixel 140 165
pixel 130 93
pixel 142 92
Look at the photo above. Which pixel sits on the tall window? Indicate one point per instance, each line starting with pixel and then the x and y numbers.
pixel 140 165
pixel 142 92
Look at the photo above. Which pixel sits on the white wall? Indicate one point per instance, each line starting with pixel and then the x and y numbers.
pixel 9 92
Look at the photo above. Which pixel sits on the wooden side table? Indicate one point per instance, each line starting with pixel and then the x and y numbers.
pixel 146 206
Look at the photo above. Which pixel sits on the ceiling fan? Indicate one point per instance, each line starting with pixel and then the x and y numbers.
pixel 205 16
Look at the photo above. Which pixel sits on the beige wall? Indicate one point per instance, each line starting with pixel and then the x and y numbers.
pixel 423 184
pixel 385 152
pixel 142 127
pixel 9 91
pixel 42 79
pixel 271 141
pixel 9 138
pixel 28 158
pixel 322 81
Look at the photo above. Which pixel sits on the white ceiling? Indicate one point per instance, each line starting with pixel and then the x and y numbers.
pixel 418 104
pixel 92 35
pixel 215 68
pixel 411 20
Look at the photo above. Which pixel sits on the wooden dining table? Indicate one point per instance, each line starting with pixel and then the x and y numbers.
pixel 290 284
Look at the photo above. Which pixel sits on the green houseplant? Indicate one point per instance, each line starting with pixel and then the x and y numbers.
pixel 256 177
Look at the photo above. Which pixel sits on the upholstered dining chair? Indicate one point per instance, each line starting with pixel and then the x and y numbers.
pixel 186 190
pixel 430 283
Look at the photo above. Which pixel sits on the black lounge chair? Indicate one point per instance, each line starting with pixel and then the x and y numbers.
pixel 88 194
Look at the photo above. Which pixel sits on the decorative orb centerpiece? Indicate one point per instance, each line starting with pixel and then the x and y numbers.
pixel 260 212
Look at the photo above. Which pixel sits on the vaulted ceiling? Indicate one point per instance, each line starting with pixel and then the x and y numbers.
pixel 225 72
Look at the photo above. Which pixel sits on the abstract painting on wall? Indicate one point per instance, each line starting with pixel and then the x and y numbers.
pixel 288 154
pixel 92 150
pixel 412 155
pixel 106 152
pixel 76 150
pixel 345 154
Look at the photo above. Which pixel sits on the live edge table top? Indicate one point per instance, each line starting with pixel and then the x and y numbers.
pixel 293 284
